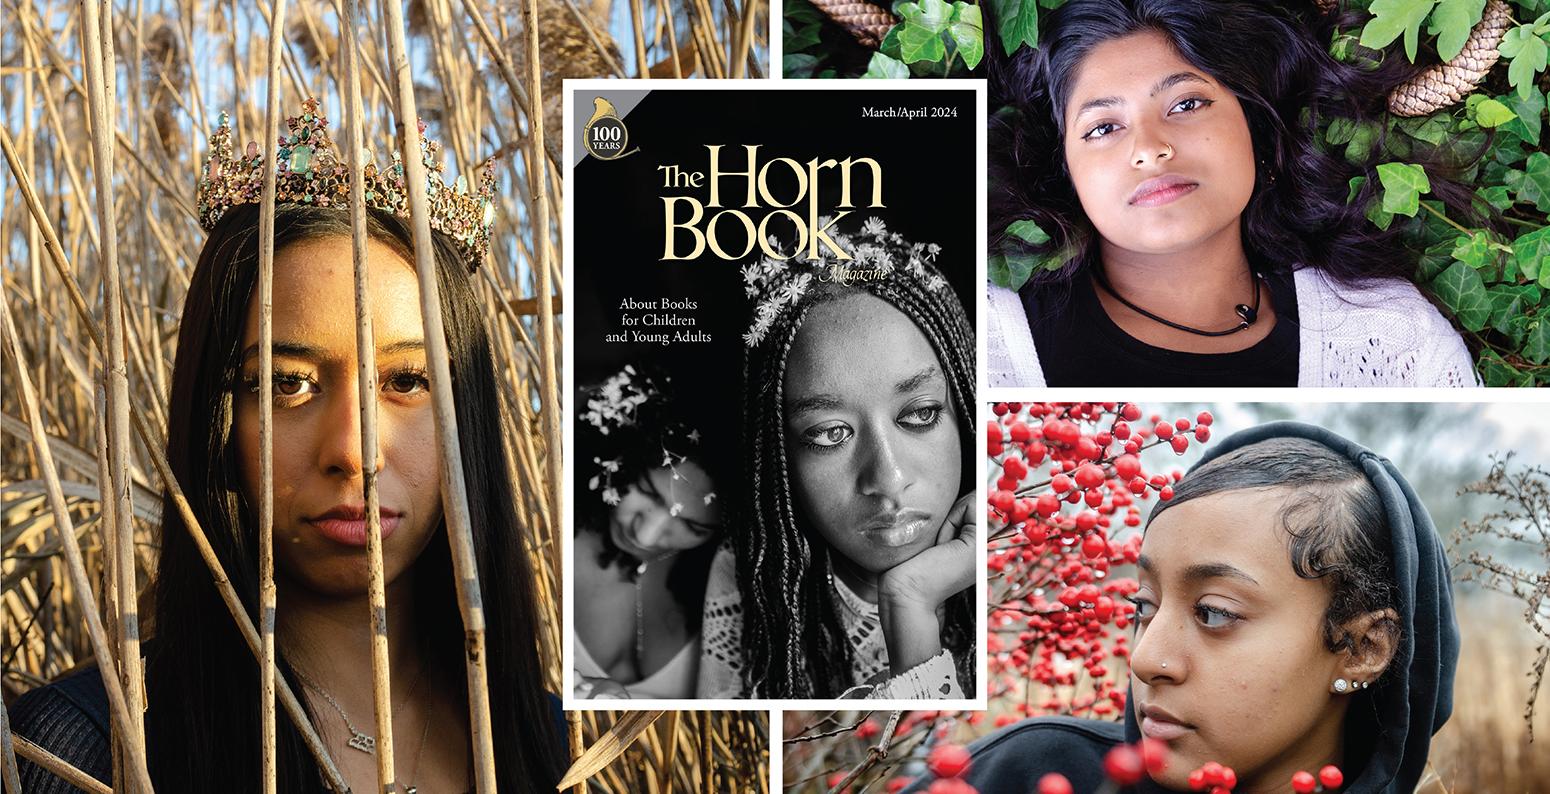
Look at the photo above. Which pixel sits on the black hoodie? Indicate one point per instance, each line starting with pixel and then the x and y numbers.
pixel 1388 728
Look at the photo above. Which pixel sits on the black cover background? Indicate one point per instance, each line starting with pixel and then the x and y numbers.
pixel 929 190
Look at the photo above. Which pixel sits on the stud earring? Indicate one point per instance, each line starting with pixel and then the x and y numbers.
pixel 1341 685
pixel 1164 665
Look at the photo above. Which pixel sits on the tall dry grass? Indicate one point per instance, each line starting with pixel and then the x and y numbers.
pixel 89 184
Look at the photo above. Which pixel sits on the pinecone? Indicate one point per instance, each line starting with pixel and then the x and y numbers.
pixel 1448 83
pixel 867 22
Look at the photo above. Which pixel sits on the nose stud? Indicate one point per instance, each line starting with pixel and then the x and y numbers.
pixel 1164 665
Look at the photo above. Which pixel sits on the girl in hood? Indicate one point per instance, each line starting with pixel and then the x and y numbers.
pixel 1293 612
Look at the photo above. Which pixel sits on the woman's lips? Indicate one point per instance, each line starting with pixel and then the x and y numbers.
pixel 1162 190
pixel 347 525
pixel 899 528
pixel 1157 723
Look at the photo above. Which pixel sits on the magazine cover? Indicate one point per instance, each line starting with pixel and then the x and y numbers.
pixel 771 478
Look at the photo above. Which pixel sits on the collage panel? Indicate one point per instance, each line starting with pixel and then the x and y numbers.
pixel 772 469
pixel 1213 193
pixel 281 497
pixel 1250 596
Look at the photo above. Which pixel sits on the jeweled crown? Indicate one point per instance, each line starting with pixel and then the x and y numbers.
pixel 312 171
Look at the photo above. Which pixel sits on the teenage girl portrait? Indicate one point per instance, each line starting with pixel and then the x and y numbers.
pixel 1166 207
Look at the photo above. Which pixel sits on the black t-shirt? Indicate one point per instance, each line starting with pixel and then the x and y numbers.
pixel 1079 345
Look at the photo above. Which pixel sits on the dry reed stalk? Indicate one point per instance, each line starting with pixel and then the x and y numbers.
pixel 503 65
pixel 366 379
pixel 643 67
pixel 454 492
pixel 665 9
pixel 267 595
pixel 118 704
pixel 75 777
pixel 101 96
pixel 744 38
pixel 549 354
pixel 13 781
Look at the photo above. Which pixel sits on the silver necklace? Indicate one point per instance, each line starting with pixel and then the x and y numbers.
pixel 640 615
pixel 359 739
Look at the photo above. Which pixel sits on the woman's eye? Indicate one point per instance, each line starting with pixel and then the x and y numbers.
pixel 1189 105
pixel 827 435
pixel 1144 608
pixel 1215 617
pixel 286 384
pixel 922 418
pixel 407 382
pixel 1099 131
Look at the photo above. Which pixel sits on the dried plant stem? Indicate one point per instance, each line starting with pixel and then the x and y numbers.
pixel 13 781
pixel 549 354
pixel 642 66
pixel 267 595
pixel 55 765
pixel 366 379
pixel 101 97
pixel 76 566
pixel 454 491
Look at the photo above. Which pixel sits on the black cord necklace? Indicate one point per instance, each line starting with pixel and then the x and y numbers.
pixel 1247 313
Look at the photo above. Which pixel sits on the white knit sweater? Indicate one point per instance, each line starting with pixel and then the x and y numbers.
pixel 1383 333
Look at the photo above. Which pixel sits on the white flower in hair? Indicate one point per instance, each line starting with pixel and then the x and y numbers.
pixel 611 496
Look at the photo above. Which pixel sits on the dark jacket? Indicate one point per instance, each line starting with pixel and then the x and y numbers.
pixel 70 718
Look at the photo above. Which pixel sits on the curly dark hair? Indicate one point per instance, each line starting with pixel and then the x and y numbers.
pixel 1269 54
pixel 793 641
pixel 1333 519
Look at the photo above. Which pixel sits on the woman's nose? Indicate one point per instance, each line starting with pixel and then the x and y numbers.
pixel 1159 654
pixel 882 471
pixel 341 443
pixel 1148 147
pixel 651 527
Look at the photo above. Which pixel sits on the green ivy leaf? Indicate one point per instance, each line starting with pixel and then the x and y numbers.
pixel 1496 196
pixel 1474 250
pixel 1011 271
pixel 1433 129
pixel 1507 305
pixel 1017 23
pixel 929 14
pixel 1497 372
pixel 1451 24
pixel 1532 254
pixel 1530 116
pixel 919 43
pixel 798 65
pixel 1491 113
pixel 1390 18
pixel 883 67
pixel 967 29
pixel 1534 186
pixel 1028 231
pixel 797 39
pixel 1528 53
pixel 1403 184
pixel 1536 347
pixel 1461 289
pixel 1434 260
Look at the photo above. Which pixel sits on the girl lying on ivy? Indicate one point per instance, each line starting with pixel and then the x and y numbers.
pixel 1156 167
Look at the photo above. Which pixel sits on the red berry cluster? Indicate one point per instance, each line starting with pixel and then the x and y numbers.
pixel 1063 507
pixel 1213 777
pixel 948 763
pixel 1329 779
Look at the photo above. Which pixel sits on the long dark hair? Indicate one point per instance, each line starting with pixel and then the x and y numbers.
pixel 793 643
pixel 1269 55
pixel 202 725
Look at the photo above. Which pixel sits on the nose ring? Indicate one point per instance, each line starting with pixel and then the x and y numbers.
pixel 1168 153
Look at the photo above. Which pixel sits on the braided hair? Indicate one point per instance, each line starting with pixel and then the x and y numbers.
pixel 793 641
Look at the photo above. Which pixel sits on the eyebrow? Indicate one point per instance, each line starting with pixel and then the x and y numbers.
pixel 817 402
pixel 315 353
pixel 1161 86
pixel 1202 571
